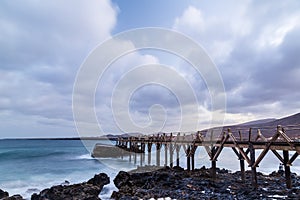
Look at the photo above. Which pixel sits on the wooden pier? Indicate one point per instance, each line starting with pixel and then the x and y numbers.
pixel 244 149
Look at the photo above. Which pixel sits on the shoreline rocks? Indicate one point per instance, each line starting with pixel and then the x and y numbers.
pixel 89 190
pixel 177 183
pixel 5 196
pixel 174 183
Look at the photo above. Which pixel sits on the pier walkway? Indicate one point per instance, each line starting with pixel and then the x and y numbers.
pixel 243 147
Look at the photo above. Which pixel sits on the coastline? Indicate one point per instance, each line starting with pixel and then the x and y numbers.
pixel 151 182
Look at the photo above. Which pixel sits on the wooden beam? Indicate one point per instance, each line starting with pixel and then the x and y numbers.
pixel 292 159
pixel 219 150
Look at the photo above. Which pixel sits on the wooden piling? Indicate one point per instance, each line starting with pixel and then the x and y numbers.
pixel 193 161
pixel 166 155
pixel 253 168
pixel 158 145
pixel 242 166
pixel 287 170
pixel 188 158
pixel 177 155
pixel 171 154
pixel 149 146
pixel 213 164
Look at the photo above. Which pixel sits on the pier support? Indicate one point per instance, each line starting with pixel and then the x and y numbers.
pixel 287 170
pixel 242 166
pixel 193 161
pixel 214 169
pixel 158 147
pixel 177 155
pixel 188 157
pixel 166 155
pixel 171 154
pixel 149 146
pixel 213 164
pixel 253 168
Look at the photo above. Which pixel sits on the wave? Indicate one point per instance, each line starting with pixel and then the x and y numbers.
pixel 27 154
pixel 85 157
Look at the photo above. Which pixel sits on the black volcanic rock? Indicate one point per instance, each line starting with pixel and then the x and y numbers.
pixel 83 191
pixel 182 184
pixel 3 194
pixel 14 197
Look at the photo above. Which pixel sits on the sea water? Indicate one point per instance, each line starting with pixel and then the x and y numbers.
pixel 29 166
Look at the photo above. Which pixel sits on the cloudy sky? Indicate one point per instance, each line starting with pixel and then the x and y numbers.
pixel 254 45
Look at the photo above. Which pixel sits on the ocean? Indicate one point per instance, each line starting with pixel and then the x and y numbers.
pixel 28 166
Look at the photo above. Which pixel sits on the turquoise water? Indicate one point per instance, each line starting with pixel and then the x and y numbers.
pixel 28 166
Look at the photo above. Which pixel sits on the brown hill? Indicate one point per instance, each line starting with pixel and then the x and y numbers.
pixel 268 127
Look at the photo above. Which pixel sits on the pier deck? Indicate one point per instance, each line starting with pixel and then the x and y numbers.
pixel 244 148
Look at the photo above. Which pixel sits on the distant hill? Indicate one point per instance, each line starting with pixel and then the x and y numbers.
pixel 268 127
pixel 260 121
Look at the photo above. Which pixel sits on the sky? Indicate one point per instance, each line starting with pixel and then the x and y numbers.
pixel 254 46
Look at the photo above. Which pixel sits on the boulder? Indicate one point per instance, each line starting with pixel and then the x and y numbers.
pixel 83 191
pixel 3 194
pixel 14 197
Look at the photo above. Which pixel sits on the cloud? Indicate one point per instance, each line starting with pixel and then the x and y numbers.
pixel 42 45
pixel 254 46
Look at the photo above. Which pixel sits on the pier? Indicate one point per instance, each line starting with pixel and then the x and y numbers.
pixel 245 149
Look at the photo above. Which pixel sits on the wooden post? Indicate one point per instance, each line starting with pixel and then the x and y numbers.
pixel 177 155
pixel 166 155
pixel 149 153
pixel 250 132
pixel 193 161
pixel 158 154
pixel 242 165
pixel 213 164
pixel 253 169
pixel 171 154
pixel 213 169
pixel 188 158
pixel 287 169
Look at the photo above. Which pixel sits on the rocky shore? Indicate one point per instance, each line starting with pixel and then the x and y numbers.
pixel 177 183
pixel 173 183
pixel 89 190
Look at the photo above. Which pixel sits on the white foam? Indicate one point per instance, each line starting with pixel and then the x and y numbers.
pixel 85 157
